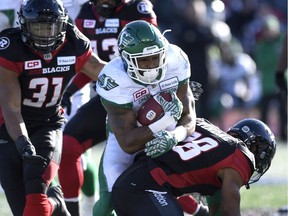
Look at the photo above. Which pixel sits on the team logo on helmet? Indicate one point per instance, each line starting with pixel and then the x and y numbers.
pixel 245 129
pixel 143 8
pixel 125 39
pixel 4 43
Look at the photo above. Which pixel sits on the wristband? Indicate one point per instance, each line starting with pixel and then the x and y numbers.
pixel 180 133
pixel 161 124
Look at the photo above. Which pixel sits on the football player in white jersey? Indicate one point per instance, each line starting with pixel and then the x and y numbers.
pixel 147 65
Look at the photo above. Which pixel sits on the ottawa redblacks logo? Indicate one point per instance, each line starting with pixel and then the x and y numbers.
pixel 4 43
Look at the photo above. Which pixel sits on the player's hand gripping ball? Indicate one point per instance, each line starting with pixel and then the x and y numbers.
pixel 151 110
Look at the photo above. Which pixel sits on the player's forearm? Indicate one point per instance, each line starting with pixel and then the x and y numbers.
pixel 78 82
pixel 188 118
pixel 93 67
pixel 230 200
pixel 135 139
pixel 14 123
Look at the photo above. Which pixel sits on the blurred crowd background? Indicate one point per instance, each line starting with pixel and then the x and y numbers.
pixel 233 46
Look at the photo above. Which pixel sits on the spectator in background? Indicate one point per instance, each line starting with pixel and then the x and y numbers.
pixel 240 17
pixel 236 84
pixel 269 43
pixel 281 81
pixel 169 16
pixel 277 8
pixel 195 37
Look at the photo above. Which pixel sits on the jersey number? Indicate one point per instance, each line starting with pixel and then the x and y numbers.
pixel 40 97
pixel 194 146
pixel 106 44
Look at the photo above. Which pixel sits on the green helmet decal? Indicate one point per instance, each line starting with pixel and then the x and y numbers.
pixel 140 39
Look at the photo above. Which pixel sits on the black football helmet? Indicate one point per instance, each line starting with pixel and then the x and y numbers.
pixel 43 24
pixel 260 141
pixel 106 8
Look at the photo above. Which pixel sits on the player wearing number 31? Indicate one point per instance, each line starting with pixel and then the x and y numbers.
pixel 148 65
pixel 37 62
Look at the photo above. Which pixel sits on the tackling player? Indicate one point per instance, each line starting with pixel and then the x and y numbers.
pixel 209 161
pixel 37 62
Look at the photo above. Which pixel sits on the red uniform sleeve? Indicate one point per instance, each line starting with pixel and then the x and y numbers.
pixel 82 60
pixel 81 80
pixel 13 66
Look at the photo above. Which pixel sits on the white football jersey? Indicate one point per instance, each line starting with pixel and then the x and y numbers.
pixel 114 85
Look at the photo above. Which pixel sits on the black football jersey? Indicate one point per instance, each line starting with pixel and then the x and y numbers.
pixel 193 165
pixel 43 77
pixel 103 33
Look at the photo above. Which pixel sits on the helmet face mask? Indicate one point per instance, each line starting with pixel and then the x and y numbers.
pixel 43 24
pixel 141 42
pixel 260 141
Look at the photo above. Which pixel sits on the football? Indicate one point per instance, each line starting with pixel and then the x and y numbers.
pixel 151 110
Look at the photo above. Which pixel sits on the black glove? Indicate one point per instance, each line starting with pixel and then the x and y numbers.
pixel 196 89
pixel 25 147
pixel 66 102
pixel 281 81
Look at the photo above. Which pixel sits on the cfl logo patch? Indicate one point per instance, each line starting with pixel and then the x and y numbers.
pixel 4 43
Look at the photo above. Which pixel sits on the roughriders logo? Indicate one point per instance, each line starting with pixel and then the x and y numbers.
pixel 125 39
pixel 106 82
pixel 4 43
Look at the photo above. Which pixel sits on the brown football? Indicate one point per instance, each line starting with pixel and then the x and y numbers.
pixel 151 110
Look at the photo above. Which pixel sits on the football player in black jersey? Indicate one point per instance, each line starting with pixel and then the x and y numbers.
pixel 207 162
pixel 101 21
pixel 37 62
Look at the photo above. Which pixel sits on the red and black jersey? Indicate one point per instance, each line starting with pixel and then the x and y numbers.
pixel 43 77
pixel 193 165
pixel 103 33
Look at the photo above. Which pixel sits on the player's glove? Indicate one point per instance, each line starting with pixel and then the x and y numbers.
pixel 281 82
pixel 174 107
pixel 162 143
pixel 196 89
pixel 25 147
pixel 66 102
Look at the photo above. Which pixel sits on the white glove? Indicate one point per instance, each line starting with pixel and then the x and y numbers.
pixel 174 107
pixel 162 143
